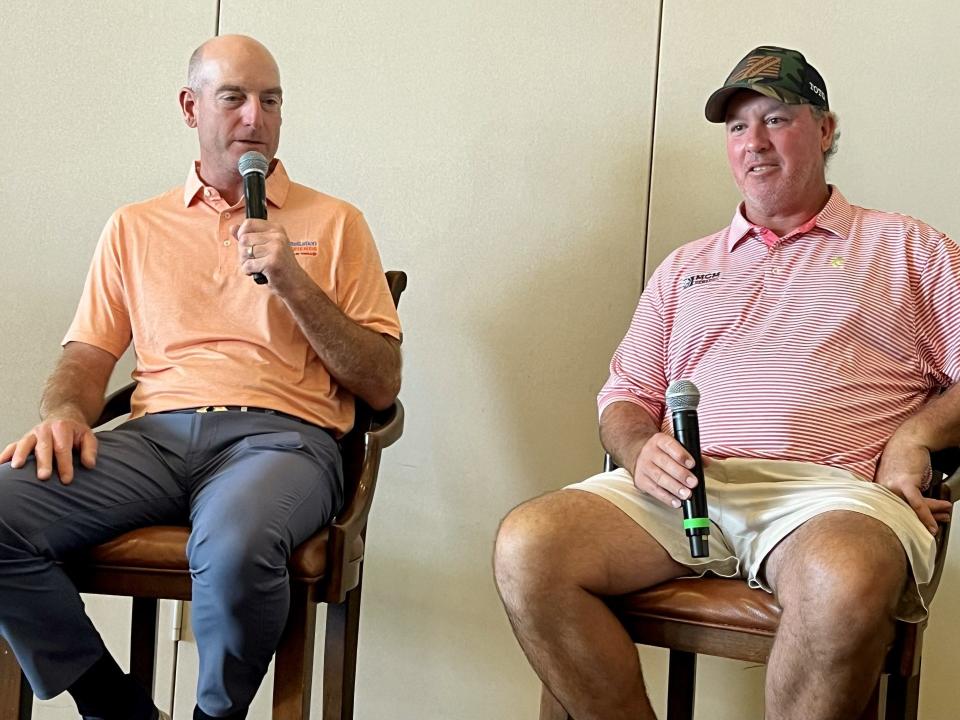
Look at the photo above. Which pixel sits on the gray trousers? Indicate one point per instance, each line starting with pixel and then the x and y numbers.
pixel 251 486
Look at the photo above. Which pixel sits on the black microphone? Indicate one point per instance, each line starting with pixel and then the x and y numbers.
pixel 253 168
pixel 682 398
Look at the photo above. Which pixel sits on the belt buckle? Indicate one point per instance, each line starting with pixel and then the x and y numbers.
pixel 211 408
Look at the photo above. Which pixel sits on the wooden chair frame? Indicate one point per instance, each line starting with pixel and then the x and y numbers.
pixel 150 564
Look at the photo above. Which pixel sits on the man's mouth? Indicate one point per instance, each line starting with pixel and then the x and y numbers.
pixel 760 169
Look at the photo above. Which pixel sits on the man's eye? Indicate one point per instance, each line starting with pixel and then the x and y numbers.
pixel 774 121
pixel 736 127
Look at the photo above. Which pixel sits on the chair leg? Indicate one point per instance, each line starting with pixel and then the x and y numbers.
pixel 143 641
pixel 681 685
pixel 16 695
pixel 550 707
pixel 340 656
pixel 903 697
pixel 293 669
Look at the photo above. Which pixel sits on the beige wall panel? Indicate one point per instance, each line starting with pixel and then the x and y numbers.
pixel 90 121
pixel 500 152
pixel 889 68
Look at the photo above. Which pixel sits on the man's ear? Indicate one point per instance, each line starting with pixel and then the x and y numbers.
pixel 188 106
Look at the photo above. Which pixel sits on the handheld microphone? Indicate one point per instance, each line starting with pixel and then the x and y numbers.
pixel 253 168
pixel 682 398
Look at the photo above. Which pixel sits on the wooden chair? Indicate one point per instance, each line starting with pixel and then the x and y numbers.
pixel 150 564
pixel 726 618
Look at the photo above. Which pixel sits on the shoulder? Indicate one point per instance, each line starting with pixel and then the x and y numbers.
pixel 301 197
pixel 869 222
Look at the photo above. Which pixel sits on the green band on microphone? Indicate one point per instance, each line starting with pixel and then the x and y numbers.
pixel 691 523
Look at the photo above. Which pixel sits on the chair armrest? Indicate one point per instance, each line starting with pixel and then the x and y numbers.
pixel 116 405
pixel 351 523
pixel 950 488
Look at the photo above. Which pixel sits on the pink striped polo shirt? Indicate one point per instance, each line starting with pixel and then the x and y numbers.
pixel 815 348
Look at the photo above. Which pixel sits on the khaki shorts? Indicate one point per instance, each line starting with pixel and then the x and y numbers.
pixel 754 504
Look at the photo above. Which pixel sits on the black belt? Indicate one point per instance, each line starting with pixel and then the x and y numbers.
pixel 247 408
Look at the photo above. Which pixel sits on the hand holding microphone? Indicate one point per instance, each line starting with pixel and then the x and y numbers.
pixel 253 168
pixel 682 399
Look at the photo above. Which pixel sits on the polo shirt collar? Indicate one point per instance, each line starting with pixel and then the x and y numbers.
pixel 278 184
pixel 836 218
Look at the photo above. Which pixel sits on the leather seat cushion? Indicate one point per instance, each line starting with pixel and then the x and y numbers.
pixel 713 602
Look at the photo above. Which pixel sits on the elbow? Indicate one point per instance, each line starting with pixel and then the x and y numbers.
pixel 383 396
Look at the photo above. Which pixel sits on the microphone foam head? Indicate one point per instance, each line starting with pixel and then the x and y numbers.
pixel 253 162
pixel 682 395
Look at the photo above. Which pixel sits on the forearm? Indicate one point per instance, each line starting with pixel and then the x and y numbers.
pixel 937 424
pixel 624 429
pixel 361 360
pixel 76 387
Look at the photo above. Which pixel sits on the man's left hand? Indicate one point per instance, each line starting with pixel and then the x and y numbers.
pixel 264 247
pixel 905 469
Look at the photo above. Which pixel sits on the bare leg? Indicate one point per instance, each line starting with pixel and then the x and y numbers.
pixel 555 557
pixel 838 578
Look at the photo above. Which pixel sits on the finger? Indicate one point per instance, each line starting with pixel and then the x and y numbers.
pixel 7 453
pixel 88 449
pixel 42 445
pixel 919 504
pixel 662 485
pixel 63 451
pixel 678 471
pixel 649 487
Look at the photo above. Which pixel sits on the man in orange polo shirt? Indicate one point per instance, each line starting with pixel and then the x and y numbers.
pixel 241 391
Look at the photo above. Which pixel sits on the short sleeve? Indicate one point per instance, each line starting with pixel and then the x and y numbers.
pixel 102 318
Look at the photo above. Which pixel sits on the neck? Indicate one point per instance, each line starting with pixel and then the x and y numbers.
pixel 783 220
pixel 228 184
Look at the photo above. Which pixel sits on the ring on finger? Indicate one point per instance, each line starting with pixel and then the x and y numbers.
pixel 250 252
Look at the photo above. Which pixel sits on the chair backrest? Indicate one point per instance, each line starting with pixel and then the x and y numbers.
pixel 352 444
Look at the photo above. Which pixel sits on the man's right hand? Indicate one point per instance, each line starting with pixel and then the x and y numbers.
pixel 662 470
pixel 54 440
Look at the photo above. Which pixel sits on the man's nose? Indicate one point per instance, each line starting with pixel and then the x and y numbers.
pixel 252 112
pixel 757 138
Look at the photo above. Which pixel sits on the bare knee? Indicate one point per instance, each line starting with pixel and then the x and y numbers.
pixel 844 570
pixel 577 540
pixel 529 547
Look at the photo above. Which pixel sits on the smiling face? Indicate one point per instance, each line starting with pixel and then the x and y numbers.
pixel 234 102
pixel 776 156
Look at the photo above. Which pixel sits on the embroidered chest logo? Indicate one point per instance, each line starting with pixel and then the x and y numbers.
pixel 699 279
pixel 304 247
pixel 836 261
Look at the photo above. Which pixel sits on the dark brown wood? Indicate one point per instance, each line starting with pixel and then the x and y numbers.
pixel 293 671
pixel 732 644
pixel 16 698
pixel 681 685
pixel 903 697
pixel 143 641
pixel 340 656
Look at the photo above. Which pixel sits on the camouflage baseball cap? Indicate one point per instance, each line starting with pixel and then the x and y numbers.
pixel 776 72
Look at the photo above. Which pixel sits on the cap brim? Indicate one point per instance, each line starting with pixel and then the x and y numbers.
pixel 716 108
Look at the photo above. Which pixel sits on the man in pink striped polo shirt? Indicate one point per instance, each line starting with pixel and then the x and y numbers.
pixel 821 338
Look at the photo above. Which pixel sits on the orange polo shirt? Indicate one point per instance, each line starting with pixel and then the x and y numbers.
pixel 166 275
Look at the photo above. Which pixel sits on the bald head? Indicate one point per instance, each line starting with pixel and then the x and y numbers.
pixel 206 59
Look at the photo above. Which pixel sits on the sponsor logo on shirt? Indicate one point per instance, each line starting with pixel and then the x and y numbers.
pixel 699 279
pixel 304 247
